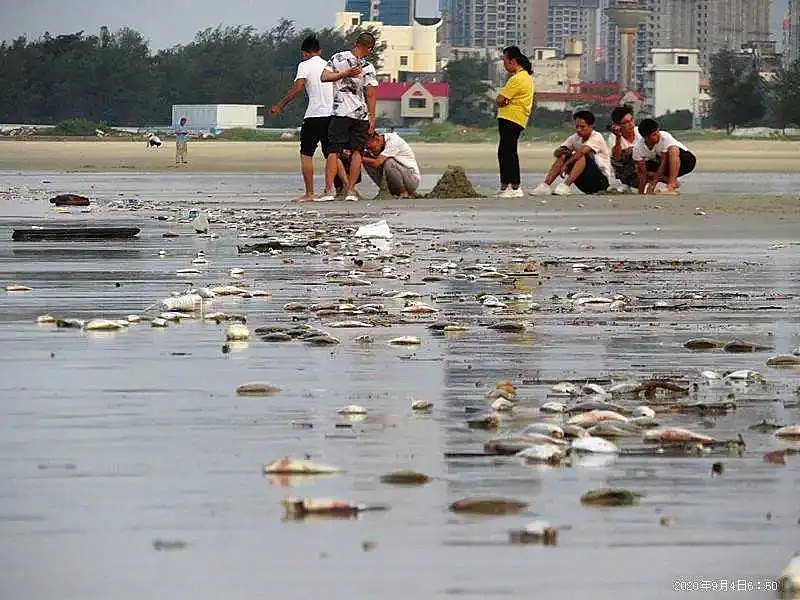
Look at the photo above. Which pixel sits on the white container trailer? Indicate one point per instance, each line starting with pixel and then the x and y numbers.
pixel 217 117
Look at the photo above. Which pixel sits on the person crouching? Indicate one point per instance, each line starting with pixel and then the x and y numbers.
pixel 389 156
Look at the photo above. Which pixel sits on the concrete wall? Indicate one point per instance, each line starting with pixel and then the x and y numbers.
pixel 672 80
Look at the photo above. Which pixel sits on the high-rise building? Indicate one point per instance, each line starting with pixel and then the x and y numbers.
pixel 793 34
pixel 533 25
pixel 485 23
pixel 571 19
pixel 388 12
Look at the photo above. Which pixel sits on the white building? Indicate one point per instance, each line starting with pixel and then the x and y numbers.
pixel 218 117
pixel 672 81
pixel 410 49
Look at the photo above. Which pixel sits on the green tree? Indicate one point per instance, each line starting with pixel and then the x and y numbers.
pixel 737 90
pixel 470 92
pixel 786 91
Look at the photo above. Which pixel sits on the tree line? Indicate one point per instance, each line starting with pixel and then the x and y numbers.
pixel 114 78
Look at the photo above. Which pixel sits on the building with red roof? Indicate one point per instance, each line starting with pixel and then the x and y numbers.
pixel 412 103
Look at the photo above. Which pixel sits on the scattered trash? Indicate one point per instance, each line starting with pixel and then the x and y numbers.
pixel 379 229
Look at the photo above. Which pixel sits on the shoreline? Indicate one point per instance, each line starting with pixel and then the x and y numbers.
pixel 214 156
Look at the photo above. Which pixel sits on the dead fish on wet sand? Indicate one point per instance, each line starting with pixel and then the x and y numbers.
pixel 296 508
pixel 703 344
pixel 610 497
pixel 539 532
pixel 237 333
pixel 405 340
pixel 257 389
pixel 488 505
pixel 16 287
pixel 676 435
pixel 290 466
pixel 790 432
pixel 405 477
pixel 784 361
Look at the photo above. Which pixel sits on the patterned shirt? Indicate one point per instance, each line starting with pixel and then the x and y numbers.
pixel 348 93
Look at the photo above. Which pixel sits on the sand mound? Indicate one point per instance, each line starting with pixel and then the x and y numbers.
pixel 453 184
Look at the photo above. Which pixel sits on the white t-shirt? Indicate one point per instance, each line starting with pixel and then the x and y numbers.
pixel 398 149
pixel 624 144
pixel 348 93
pixel 664 143
pixel 602 157
pixel 320 93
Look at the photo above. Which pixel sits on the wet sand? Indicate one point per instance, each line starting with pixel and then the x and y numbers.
pixel 116 441
pixel 213 156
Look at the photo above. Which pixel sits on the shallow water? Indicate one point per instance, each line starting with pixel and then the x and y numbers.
pixel 109 442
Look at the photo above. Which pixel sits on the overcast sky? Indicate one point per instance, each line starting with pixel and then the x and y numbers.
pixel 164 22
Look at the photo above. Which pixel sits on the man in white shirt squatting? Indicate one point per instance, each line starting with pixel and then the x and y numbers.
pixel 353 119
pixel 388 155
pixel 659 157
pixel 583 159
pixel 621 141
pixel 314 130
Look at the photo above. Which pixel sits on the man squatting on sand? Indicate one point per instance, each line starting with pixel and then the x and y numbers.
pixel 583 159
pixel 353 117
pixel 389 156
pixel 621 140
pixel 659 157
pixel 316 121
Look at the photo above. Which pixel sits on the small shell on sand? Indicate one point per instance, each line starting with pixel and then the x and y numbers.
pixel 45 319
pixel 257 388
pixel 237 333
pixel 488 505
pixel 16 287
pixel 405 340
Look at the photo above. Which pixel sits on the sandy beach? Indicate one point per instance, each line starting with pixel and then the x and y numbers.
pixel 739 156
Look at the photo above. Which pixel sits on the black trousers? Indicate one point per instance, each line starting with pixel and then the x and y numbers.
pixel 507 155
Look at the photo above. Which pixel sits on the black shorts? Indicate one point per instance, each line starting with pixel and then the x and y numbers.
pixel 345 133
pixel 592 180
pixel 625 171
pixel 314 131
pixel 688 163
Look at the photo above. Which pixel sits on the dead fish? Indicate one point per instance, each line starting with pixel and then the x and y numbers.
pixel 70 323
pixel 348 324
pixel 236 272
pixel 625 387
pixel 765 427
pixel 159 322
pixel 550 429
pixel 321 340
pixel 493 302
pixel 610 497
pixel 364 339
pixel 237 333
pixel 298 509
pixel 45 319
pixel 405 477
pixel 488 505
pixel 419 308
pixel 593 388
pixel 228 290
pixel 535 532
pixel 102 325
pixel 405 340
pixel 565 388
pixel 643 411
pixel 747 375
pixel 290 466
pixel 595 404
pixel 783 361
pixel 790 431
pixel 220 317
pixel 186 272
pixel 703 344
pixel 574 431
pixel 502 405
pixel 16 287
pixel 455 328
pixel 490 421
pixel 745 346
pixel 542 453
pixel 257 388
pixel 294 307
pixel 406 295
pixel 133 318
pixel 501 393
pixel 510 327
pixel 676 434
pixel 506 446
pixel 595 416
pixel 422 405
pixel 553 407
pixel 441 325
pixel 182 303
pixel 277 336
pixel 594 445
pixel 614 429
pixel 352 409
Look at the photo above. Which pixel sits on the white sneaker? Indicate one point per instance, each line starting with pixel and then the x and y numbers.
pixel 506 193
pixel 542 190
pixel 517 192
pixel 326 197
pixel 351 198
pixel 562 189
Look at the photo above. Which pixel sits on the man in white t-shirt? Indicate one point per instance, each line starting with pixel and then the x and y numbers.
pixel 353 118
pixel 659 157
pixel 314 130
pixel 583 159
pixel 621 140
pixel 388 155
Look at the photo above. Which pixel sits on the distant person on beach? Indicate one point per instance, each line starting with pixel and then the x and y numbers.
pixel 181 142
pixel 353 117
pixel 514 102
pixel 389 156
pixel 621 140
pixel 317 119
pixel 583 159
pixel 660 158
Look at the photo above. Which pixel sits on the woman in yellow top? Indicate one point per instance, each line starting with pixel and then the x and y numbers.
pixel 514 104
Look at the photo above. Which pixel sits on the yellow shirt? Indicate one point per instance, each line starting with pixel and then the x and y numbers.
pixel 518 89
